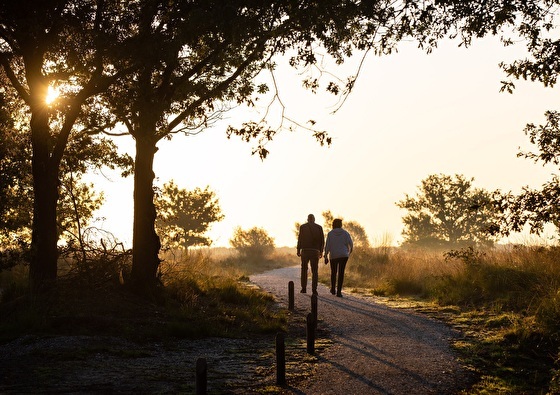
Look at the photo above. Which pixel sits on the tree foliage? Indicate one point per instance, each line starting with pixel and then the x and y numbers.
pixel 185 216
pixel 533 23
pixel 254 243
pixel 536 207
pixel 16 201
pixel 78 201
pixel 64 46
pixel 448 212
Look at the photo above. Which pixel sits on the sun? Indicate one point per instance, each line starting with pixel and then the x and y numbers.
pixel 52 95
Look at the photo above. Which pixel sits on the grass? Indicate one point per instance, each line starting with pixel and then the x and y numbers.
pixel 506 301
pixel 201 296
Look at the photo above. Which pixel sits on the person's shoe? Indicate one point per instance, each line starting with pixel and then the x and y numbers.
pixel 315 292
pixel 303 291
pixel 339 295
pixel 333 291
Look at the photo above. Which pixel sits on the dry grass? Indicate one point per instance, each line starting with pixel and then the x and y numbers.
pixel 201 296
pixel 505 300
pixel 396 272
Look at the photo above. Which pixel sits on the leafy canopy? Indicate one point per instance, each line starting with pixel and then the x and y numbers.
pixel 200 58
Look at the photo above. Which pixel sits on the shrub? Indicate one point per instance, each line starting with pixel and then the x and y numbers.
pixel 254 243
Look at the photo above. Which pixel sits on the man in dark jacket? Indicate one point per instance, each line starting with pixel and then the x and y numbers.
pixel 311 241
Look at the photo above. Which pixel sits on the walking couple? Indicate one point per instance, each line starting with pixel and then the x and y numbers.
pixel 310 247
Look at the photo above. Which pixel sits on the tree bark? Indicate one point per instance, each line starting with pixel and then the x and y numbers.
pixel 146 243
pixel 44 254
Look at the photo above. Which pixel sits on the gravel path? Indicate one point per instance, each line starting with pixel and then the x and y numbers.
pixel 375 349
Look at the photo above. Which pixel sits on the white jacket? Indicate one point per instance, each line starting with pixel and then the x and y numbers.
pixel 339 244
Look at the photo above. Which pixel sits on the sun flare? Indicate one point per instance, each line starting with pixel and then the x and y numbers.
pixel 52 95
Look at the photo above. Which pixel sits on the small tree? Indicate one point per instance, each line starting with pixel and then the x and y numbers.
pixel 448 212
pixel 253 243
pixel 185 216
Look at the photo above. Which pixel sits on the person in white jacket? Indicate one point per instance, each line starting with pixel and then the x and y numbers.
pixel 338 248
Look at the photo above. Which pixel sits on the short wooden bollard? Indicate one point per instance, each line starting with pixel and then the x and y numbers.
pixel 314 308
pixel 201 376
pixel 280 359
pixel 291 295
pixel 310 334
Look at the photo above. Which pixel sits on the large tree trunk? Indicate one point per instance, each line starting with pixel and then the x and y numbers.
pixel 145 243
pixel 44 254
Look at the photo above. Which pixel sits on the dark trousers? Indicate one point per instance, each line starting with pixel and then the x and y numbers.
pixel 337 268
pixel 310 257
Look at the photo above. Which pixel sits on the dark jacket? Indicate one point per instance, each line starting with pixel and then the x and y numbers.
pixel 311 237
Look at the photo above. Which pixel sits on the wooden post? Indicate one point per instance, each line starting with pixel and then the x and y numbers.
pixel 314 308
pixel 310 334
pixel 291 295
pixel 280 359
pixel 201 376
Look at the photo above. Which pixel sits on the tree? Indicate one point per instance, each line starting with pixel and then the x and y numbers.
pixel 185 216
pixel 58 45
pixel 253 243
pixel 448 211
pixel 78 200
pixel 84 152
pixel 200 57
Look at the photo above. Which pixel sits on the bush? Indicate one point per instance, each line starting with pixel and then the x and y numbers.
pixel 254 243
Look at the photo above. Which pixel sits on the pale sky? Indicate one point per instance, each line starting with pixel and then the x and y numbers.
pixel 410 115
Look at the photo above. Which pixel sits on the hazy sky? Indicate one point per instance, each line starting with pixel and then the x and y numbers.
pixel 410 115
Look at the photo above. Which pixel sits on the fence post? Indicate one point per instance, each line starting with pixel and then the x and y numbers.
pixel 280 359
pixel 314 308
pixel 201 376
pixel 310 334
pixel 291 295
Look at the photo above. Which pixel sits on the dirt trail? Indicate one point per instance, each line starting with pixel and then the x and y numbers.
pixel 376 349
